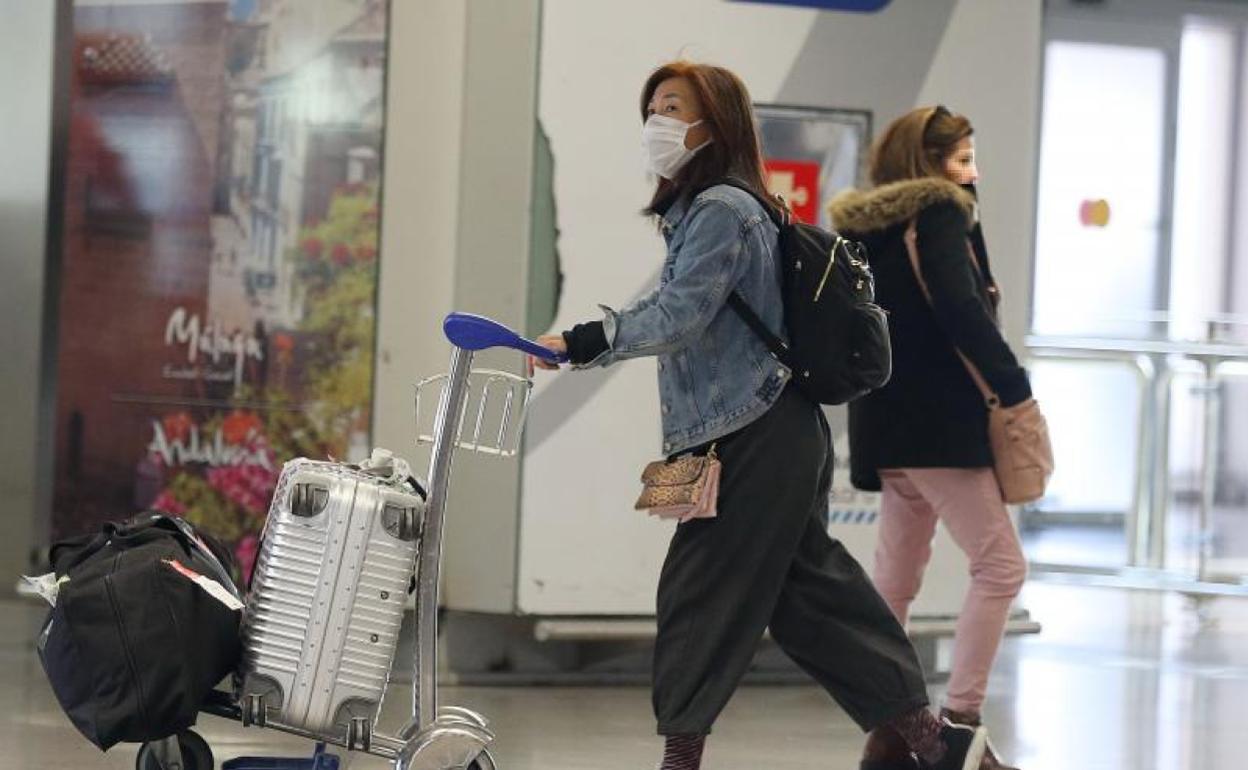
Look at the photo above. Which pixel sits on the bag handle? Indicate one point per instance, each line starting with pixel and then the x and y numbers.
pixel 213 551
pixel 911 237
pixel 141 529
pixel 138 530
pixel 81 547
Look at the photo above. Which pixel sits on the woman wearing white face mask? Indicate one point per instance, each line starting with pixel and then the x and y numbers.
pixel 666 140
pixel 765 561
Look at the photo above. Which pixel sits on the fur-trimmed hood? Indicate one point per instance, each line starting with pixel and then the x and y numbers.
pixel 866 211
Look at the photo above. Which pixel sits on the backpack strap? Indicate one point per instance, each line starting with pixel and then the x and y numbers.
pixel 780 217
pixel 778 214
pixel 779 349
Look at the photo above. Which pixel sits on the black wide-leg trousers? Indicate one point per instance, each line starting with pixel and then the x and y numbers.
pixel 767 561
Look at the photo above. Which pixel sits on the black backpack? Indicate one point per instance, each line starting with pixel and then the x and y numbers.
pixel 838 346
pixel 137 638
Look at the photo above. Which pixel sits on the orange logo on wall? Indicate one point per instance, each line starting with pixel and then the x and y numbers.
pixel 1094 213
pixel 798 183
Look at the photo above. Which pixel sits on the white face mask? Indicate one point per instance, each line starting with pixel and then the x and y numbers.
pixel 663 145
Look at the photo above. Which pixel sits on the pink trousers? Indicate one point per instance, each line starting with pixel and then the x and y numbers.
pixel 969 503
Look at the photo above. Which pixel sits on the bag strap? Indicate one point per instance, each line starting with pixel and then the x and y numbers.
pixel 778 348
pixel 779 214
pixel 911 237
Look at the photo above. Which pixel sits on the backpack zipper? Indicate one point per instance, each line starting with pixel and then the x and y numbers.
pixel 860 267
pixel 828 270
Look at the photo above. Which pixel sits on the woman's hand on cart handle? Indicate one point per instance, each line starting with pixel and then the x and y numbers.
pixel 553 342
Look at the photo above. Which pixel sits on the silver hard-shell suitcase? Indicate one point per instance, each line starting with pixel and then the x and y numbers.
pixel 327 597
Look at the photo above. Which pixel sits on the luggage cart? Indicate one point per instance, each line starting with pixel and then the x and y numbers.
pixel 436 737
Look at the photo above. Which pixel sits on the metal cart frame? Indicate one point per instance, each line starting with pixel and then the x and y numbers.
pixel 435 737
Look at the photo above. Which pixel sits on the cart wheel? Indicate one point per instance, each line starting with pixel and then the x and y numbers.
pixel 484 761
pixel 195 754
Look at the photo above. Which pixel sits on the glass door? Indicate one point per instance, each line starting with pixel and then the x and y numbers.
pixel 1101 272
pixel 1140 305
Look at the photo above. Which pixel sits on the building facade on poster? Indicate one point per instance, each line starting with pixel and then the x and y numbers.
pixel 220 258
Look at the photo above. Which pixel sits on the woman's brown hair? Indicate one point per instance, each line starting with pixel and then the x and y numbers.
pixel 917 144
pixel 729 118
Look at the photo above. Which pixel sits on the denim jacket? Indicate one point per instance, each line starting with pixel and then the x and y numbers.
pixel 715 375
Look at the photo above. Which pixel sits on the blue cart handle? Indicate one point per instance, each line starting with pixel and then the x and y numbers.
pixel 474 332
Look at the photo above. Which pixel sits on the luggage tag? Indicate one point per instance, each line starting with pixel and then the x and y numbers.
pixel 214 589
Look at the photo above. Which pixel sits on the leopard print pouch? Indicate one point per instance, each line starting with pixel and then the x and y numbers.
pixel 685 488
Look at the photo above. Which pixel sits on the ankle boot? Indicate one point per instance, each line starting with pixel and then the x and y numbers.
pixel 887 750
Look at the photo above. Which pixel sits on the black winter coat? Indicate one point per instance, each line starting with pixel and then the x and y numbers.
pixel 930 414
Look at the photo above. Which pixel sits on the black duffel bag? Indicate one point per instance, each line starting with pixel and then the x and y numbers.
pixel 145 625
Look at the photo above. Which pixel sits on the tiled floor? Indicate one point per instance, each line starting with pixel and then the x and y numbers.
pixel 1117 681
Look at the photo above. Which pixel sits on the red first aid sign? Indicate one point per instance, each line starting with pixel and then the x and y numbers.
pixel 798 183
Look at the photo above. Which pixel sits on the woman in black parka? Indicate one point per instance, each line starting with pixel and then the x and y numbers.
pixel 923 438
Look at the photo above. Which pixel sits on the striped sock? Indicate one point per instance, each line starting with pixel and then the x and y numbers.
pixel 682 752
